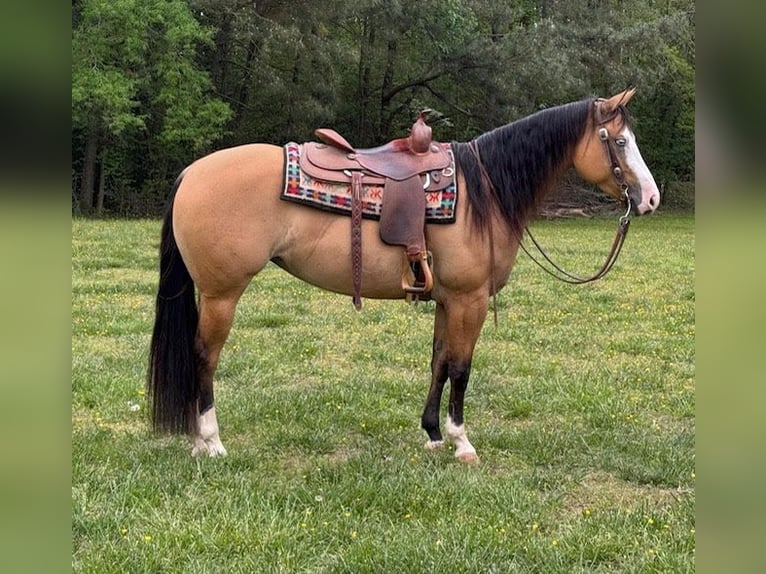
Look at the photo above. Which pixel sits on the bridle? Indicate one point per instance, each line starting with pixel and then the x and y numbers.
pixel 611 153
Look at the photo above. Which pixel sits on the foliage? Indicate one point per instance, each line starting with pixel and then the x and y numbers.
pixel 136 86
pixel 154 75
pixel 105 50
pixel 581 405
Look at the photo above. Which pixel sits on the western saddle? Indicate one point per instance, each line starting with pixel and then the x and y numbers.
pixel 407 168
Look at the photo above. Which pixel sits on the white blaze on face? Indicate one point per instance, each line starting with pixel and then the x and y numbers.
pixel 650 194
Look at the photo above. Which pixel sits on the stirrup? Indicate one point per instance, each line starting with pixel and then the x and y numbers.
pixel 411 284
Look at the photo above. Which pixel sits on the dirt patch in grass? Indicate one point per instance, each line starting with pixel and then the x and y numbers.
pixel 601 490
pixel 84 420
pixel 299 463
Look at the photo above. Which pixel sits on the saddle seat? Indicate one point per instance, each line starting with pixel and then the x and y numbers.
pixel 406 168
pixel 399 159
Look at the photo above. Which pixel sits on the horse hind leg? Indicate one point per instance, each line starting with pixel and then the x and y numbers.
pixel 216 318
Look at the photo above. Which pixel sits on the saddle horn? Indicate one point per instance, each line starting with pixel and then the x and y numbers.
pixel 420 135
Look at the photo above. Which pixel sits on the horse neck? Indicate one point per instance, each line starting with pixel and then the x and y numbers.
pixel 523 160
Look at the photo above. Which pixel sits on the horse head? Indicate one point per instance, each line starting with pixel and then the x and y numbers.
pixel 608 156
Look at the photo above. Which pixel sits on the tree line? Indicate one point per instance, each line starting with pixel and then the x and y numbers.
pixel 158 83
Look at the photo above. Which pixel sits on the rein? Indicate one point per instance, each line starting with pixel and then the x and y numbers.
pixel 611 259
pixel 487 182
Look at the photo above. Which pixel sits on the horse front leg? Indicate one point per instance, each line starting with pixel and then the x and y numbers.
pixel 454 427
pixel 439 373
pixel 465 318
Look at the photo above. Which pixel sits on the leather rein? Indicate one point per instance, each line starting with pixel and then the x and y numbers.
pixel 622 227
pixel 567 277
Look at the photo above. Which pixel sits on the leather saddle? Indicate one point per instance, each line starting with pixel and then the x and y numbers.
pixel 407 168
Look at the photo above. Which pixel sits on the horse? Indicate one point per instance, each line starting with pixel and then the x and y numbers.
pixel 226 221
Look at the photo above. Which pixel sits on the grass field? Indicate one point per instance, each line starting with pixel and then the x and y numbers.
pixel 580 405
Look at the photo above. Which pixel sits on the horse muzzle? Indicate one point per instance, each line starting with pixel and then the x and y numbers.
pixel 644 199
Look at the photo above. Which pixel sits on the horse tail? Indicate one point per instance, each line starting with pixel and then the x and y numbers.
pixel 174 364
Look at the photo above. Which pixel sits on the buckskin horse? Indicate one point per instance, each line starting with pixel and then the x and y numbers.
pixel 227 219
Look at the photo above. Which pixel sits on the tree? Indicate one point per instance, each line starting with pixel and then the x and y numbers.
pixel 134 74
pixel 150 77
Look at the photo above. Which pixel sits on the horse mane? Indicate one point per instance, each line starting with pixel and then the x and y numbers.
pixel 524 160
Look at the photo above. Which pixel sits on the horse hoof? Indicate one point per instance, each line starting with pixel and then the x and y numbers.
pixel 434 445
pixel 469 458
pixel 213 448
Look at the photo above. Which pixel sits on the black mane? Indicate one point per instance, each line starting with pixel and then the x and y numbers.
pixel 523 160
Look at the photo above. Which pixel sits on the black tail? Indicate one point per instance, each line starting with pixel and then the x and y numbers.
pixel 173 377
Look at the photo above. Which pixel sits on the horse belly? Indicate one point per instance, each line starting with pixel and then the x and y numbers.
pixel 319 253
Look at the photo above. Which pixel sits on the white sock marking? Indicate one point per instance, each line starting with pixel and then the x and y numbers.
pixel 457 435
pixel 207 439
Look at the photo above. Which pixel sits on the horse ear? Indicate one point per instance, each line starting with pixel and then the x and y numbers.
pixel 622 98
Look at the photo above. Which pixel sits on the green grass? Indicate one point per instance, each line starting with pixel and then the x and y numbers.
pixel 581 406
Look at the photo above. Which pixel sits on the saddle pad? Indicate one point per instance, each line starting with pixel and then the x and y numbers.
pixel 336 197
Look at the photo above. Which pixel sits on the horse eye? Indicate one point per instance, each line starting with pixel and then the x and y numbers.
pixel 620 142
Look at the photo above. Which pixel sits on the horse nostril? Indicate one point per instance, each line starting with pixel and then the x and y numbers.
pixel 654 201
